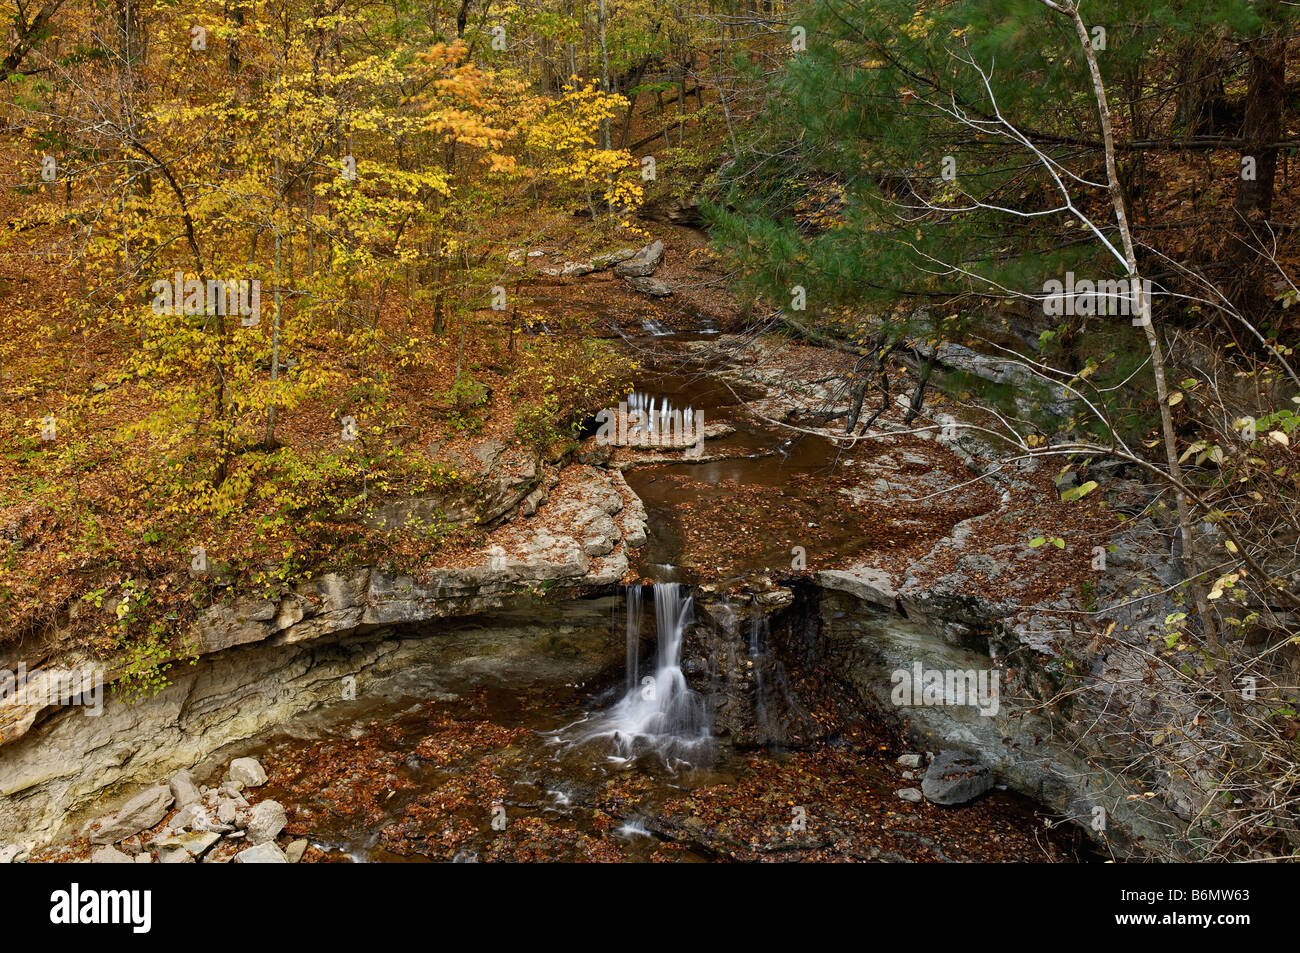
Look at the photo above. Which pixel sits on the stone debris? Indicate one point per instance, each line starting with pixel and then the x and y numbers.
pixel 246 772
pixel 261 854
pixel 955 778
pixel 140 813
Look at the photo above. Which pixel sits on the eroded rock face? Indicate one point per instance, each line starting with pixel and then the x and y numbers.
pixel 741 652
pixel 59 775
pixel 1017 745
pixel 578 542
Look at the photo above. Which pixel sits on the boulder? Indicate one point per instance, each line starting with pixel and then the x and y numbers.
pixel 138 814
pixel 955 778
pixel 601 262
pixel 226 809
pixel 643 263
pixel 183 789
pixel 650 286
pixel 247 772
pixel 293 853
pixel 196 844
pixel 261 854
pixel 672 209
pixel 910 794
pixel 110 855
pixel 265 821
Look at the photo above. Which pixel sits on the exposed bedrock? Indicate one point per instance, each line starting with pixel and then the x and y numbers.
pixel 75 766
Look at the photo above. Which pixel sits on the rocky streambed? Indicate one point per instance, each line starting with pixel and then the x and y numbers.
pixel 470 757
pixel 422 716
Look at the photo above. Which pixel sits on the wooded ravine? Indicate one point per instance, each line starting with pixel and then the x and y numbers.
pixel 612 430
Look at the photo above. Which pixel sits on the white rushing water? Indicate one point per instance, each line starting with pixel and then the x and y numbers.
pixel 658 713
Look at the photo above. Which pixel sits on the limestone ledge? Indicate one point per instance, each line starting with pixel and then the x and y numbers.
pixel 601 520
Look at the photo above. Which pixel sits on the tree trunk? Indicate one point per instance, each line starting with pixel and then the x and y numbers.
pixel 1261 126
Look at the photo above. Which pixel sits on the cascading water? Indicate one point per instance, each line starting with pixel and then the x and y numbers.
pixel 658 713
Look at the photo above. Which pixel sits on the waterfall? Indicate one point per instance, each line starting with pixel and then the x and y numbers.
pixel 658 713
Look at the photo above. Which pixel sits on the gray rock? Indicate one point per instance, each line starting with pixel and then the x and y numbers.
pixel 176 855
pixel 143 858
pixel 643 263
pixel 293 853
pixel 909 760
pixel 138 814
pixel 8 853
pixel 955 778
pixel 196 844
pixel 910 794
pixel 654 287
pixel 863 582
pixel 261 854
pixel 183 789
pixel 247 772
pixel 189 818
pixel 601 262
pixel 110 855
pixel 265 821
pixel 226 809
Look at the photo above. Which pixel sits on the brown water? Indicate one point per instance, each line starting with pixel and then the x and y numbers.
pixel 768 490
pixel 469 760
pixel 474 768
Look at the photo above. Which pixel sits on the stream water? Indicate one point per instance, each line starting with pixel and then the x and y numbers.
pixel 472 763
pixel 659 715
pixel 457 763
